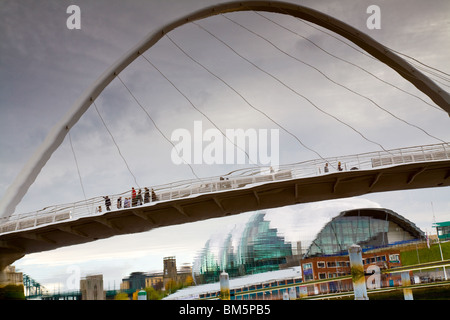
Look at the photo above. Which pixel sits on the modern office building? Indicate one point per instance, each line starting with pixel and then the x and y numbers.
pixel 381 233
pixel 258 248
pixel 370 228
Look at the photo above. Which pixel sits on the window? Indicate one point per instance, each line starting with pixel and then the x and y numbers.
pixel 331 264
pixel 394 258
pixel 320 264
pixel 342 263
pixel 322 275
pixel 308 277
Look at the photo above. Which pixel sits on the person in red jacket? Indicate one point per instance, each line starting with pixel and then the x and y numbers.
pixel 133 197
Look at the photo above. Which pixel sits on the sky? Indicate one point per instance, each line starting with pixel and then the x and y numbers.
pixel 45 67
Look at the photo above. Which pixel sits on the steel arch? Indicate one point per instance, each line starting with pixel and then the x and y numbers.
pixel 27 176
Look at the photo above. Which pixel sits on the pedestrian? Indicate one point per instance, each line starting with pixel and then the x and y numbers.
pixel 133 197
pixel 126 204
pixel 107 203
pixel 139 198
pixel 326 168
pixel 146 195
pixel 154 197
pixel 339 166
pixel 119 203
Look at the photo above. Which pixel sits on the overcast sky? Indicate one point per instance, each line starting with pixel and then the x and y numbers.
pixel 45 68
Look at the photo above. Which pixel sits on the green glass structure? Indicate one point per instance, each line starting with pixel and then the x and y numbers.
pixel 443 230
pixel 258 248
pixel 369 228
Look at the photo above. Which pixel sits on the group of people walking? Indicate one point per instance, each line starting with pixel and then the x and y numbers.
pixel 136 199
pixel 339 167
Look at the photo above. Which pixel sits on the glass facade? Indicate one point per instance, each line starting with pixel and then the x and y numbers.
pixel 367 228
pixel 257 249
pixel 256 246
pixel 443 230
pixel 341 233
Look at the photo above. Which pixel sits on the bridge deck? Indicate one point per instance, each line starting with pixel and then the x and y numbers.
pixel 224 197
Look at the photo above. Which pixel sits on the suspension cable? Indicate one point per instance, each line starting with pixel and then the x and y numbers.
pixel 312 150
pixel 341 85
pixel 291 89
pixel 156 126
pixel 348 62
pixel 78 170
pixel 198 110
pixel 309 65
pixel 369 56
pixel 115 143
pixel 421 63
pixel 243 98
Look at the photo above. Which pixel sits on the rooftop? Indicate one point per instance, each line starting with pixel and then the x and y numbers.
pixel 194 291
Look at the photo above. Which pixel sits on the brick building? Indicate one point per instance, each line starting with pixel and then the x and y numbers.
pixel 330 267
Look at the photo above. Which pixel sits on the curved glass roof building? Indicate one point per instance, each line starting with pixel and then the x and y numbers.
pixel 254 249
pixel 369 228
pixel 261 244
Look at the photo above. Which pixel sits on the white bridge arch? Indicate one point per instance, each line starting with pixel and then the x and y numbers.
pixel 27 176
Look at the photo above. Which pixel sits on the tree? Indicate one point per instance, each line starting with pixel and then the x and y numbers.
pixel 171 286
pixel 121 296
pixel 153 294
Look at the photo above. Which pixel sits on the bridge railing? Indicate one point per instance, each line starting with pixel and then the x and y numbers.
pixel 234 180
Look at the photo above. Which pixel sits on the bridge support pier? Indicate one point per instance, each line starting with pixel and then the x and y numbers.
pixel 8 276
pixel 8 258
pixel 11 284
pixel 357 270
pixel 4 277
pixel 406 281
pixel 224 286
